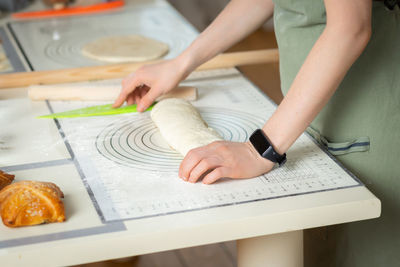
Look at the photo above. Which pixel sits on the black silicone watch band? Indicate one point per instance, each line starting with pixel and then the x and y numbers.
pixel 265 148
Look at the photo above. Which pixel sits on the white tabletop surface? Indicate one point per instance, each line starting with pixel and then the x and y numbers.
pixel 31 149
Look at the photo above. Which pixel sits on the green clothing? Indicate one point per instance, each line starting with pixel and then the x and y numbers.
pixel 363 117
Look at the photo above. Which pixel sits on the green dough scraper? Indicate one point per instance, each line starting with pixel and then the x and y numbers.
pixel 100 110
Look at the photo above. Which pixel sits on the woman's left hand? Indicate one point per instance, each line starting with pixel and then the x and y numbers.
pixel 223 159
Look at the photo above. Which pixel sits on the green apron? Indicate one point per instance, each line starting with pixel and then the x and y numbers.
pixel 360 126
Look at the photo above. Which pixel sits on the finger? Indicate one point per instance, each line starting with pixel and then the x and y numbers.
pixel 144 90
pixel 137 98
pixel 120 99
pixel 127 88
pixel 192 158
pixel 130 99
pixel 147 100
pixel 135 95
pixel 200 169
pixel 141 92
pixel 216 174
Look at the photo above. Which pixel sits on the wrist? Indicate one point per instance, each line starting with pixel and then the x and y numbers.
pixel 266 163
pixel 186 63
pixel 265 147
pixel 277 140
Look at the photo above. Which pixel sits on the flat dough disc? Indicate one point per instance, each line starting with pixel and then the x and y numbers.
pixel 128 48
pixel 181 125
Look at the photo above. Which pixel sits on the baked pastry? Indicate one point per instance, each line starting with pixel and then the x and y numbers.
pixel 29 203
pixel 5 179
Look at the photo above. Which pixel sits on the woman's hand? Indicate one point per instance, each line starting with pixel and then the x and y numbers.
pixel 149 82
pixel 223 159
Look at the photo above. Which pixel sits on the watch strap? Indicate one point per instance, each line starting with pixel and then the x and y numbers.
pixel 264 147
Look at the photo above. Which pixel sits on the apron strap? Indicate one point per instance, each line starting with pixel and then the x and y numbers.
pixel 360 144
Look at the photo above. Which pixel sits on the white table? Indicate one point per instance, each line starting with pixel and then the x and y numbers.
pixel 269 232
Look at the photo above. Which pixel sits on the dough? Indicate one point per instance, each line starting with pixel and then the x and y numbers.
pixel 125 49
pixel 181 125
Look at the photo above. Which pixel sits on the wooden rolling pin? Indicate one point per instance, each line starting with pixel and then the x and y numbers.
pixel 226 60
pixel 97 91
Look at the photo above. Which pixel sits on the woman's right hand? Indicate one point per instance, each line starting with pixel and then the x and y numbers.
pixel 149 82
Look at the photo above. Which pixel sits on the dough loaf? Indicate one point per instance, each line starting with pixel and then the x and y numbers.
pixel 181 125
pixel 129 48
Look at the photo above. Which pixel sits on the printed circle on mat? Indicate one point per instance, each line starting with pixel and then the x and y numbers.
pixel 136 142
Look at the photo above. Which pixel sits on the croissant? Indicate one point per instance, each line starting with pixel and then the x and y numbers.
pixel 29 203
pixel 5 179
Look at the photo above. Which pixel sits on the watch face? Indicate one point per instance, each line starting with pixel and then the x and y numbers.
pixel 263 146
pixel 259 141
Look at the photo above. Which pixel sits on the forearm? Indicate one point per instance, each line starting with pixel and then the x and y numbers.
pixel 323 70
pixel 237 20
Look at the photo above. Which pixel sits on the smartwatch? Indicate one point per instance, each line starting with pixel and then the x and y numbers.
pixel 264 147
